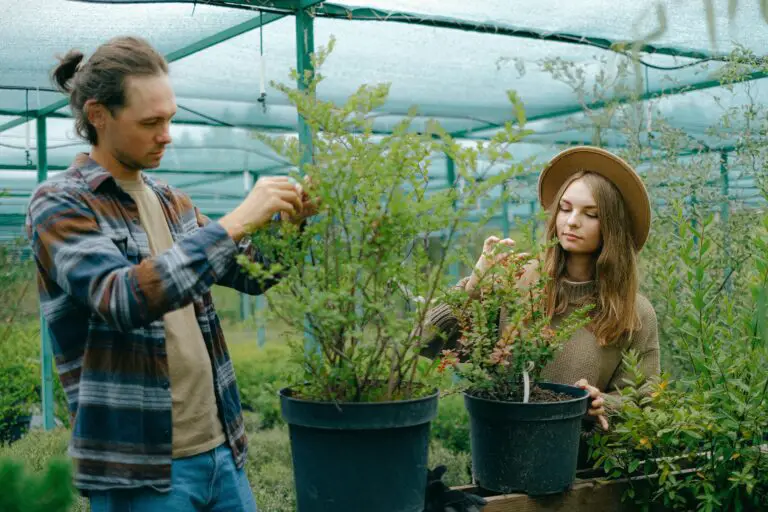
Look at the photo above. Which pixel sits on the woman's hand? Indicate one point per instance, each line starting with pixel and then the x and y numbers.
pixel 597 406
pixel 489 258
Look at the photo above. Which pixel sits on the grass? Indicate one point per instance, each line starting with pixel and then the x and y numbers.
pixel 268 466
pixel 260 372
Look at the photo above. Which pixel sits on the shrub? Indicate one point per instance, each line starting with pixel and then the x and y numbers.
pixel 458 464
pixel 20 379
pixel 268 466
pixel 359 277
pixel 451 426
pixel 48 488
pixel 699 439
pixel 261 372
pixel 495 360
pixel 50 491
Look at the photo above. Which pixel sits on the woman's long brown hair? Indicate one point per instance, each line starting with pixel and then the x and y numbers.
pixel 614 317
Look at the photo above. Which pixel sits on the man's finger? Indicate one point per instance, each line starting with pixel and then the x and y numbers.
pixel 291 197
pixel 285 207
pixel 598 402
pixel 274 179
pixel 284 185
pixel 603 423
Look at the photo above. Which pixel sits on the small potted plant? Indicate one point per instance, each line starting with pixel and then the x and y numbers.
pixel 524 432
pixel 356 281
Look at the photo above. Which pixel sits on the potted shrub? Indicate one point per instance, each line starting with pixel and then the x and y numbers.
pixel 357 281
pixel 524 433
pixel 50 490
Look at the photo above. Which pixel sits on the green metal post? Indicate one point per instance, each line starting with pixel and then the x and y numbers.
pixel 46 352
pixel 305 47
pixel 245 306
pixel 450 176
pixel 245 302
pixel 534 222
pixel 261 311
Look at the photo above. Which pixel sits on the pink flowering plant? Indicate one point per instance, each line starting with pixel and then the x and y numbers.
pixel 505 331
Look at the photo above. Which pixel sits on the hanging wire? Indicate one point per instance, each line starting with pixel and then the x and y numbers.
pixel 262 79
pixel 27 133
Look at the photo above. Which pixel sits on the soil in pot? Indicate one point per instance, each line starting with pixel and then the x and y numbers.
pixel 527 447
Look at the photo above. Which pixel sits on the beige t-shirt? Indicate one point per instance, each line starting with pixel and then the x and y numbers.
pixel 196 424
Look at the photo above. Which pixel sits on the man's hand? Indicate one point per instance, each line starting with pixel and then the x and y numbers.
pixel 309 205
pixel 270 195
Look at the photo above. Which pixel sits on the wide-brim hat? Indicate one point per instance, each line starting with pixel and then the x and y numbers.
pixel 614 169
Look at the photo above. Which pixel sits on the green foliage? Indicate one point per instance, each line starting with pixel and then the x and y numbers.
pixel 261 372
pixel 48 492
pixel 36 475
pixel 20 379
pixel 451 426
pixel 458 463
pixel 359 276
pixel 268 467
pixel 703 433
pixel 270 471
pixel 494 355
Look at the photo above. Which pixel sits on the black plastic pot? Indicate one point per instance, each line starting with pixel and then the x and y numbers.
pixel 530 448
pixel 359 457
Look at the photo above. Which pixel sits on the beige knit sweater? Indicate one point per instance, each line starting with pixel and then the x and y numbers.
pixel 581 357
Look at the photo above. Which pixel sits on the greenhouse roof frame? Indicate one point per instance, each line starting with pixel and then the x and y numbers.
pixel 477 127
pixel 277 9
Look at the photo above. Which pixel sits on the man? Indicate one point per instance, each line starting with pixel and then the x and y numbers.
pixel 125 267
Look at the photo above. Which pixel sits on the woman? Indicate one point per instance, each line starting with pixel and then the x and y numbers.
pixel 600 215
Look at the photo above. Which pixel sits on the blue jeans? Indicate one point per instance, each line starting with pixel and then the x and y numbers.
pixel 207 482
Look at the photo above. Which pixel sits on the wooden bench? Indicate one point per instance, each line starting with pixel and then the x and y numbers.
pixel 590 493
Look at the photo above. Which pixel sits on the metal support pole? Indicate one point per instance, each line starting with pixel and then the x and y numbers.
pixel 305 47
pixel 261 311
pixel 505 211
pixel 534 223
pixel 245 300
pixel 245 305
pixel 450 176
pixel 46 352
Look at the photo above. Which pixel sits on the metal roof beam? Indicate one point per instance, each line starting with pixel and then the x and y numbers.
pixel 271 6
pixel 54 168
pixel 173 56
pixel 330 10
pixel 672 91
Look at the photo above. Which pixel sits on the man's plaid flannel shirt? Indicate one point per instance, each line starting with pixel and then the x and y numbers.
pixel 104 297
